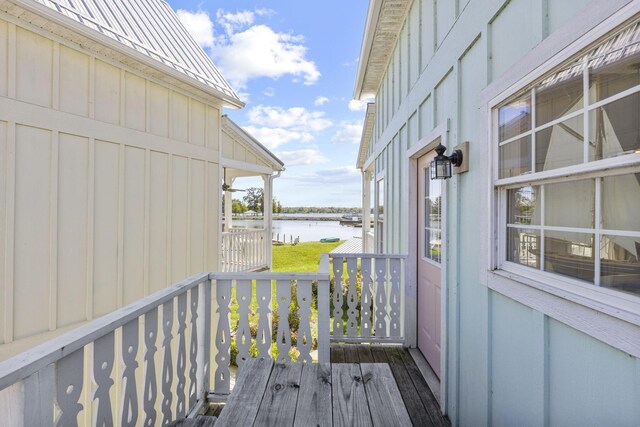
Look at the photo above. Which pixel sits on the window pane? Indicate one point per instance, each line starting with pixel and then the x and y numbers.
pixel 569 254
pixel 614 129
pixel 433 245
pixel 560 145
pixel 615 69
pixel 434 203
pixel 523 206
pixel 619 263
pixel 523 247
pixel 559 95
pixel 570 204
pixel 621 202
pixel 515 158
pixel 514 118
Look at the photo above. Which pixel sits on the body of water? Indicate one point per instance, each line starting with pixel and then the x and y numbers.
pixel 308 231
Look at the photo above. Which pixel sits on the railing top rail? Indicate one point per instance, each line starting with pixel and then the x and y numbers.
pixel 244 231
pixel 31 361
pixel 364 255
pixel 269 276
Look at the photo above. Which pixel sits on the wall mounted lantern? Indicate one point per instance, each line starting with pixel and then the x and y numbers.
pixel 441 165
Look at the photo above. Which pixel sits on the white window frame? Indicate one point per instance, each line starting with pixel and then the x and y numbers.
pixel 576 303
pixel 379 236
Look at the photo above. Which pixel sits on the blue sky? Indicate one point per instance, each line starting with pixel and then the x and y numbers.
pixel 294 64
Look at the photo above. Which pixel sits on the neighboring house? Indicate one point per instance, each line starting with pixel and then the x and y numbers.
pixel 528 259
pixel 112 150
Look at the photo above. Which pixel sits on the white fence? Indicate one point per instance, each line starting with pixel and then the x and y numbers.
pixel 149 363
pixel 244 250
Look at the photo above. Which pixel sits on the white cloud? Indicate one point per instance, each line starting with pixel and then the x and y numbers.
pixel 321 100
pixel 345 175
pixel 295 118
pixel 269 91
pixel 246 50
pixel 200 26
pixel 259 51
pixel 356 105
pixel 302 157
pixel 349 131
pixel 274 137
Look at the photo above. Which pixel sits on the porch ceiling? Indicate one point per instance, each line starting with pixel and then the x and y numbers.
pixel 384 23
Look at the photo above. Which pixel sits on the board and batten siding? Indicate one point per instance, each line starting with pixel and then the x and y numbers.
pixel 108 185
pixel 507 364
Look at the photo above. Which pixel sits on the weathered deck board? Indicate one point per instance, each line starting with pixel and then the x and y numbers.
pixel 337 353
pixel 378 353
pixel 350 406
pixel 199 421
pixel 278 407
pixel 364 354
pixel 422 389
pixel 385 402
pixel 243 404
pixel 412 400
pixel 314 398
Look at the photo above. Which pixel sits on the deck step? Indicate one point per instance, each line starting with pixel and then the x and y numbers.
pixel 198 421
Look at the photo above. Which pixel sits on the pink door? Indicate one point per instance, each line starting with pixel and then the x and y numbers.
pixel 429 262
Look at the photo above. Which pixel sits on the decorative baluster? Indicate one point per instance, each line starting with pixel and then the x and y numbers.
pixel 69 379
pixel 193 348
pixel 381 297
pixel 167 362
pixel 130 334
pixel 283 337
pixel 223 337
pixel 352 298
pixel 103 357
pixel 338 325
pixel 150 384
pixel 263 338
pixel 304 330
pixel 243 334
pixel 181 362
pixel 365 298
pixel 394 298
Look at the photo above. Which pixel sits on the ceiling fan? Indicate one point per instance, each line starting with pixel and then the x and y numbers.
pixel 227 187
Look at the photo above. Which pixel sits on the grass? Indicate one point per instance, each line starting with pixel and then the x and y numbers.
pixel 301 258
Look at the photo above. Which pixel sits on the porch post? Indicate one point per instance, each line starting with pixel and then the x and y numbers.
pixel 228 208
pixel 268 208
pixel 366 209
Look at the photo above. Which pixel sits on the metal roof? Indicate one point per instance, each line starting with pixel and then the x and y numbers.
pixel 150 27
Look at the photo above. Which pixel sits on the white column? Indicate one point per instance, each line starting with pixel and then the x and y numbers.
pixel 366 208
pixel 268 207
pixel 228 207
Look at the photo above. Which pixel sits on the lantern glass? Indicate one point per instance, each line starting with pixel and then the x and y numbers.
pixel 440 168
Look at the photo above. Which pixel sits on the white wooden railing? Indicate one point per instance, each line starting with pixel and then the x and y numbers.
pixel 149 363
pixel 155 351
pixel 287 288
pixel 244 250
pixel 369 242
pixel 367 297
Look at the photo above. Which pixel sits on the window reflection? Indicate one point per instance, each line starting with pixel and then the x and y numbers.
pixel 570 204
pixel 569 254
pixel 614 129
pixel 523 206
pixel 559 95
pixel 621 202
pixel 514 118
pixel 523 247
pixel 515 157
pixel 619 263
pixel 560 145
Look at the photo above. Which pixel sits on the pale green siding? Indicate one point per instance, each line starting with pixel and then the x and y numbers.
pixel 508 364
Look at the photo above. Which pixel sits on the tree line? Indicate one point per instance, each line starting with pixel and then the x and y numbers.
pixel 253 200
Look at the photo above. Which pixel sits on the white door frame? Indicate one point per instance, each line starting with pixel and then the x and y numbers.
pixel 437 136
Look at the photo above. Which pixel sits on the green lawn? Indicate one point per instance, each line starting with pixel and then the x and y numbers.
pixel 301 258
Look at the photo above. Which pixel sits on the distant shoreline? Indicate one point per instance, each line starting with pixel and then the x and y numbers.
pixel 290 218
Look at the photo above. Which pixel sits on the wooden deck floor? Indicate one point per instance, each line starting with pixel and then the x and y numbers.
pixel 421 404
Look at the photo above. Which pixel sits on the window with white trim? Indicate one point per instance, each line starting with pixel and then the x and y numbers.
pixel 568 176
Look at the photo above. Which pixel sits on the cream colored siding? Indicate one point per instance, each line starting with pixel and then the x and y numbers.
pixel 3 58
pixel 108 184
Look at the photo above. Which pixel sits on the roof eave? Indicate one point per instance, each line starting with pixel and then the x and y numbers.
pixel 367 43
pixel 276 163
pixel 64 21
pixel 367 134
